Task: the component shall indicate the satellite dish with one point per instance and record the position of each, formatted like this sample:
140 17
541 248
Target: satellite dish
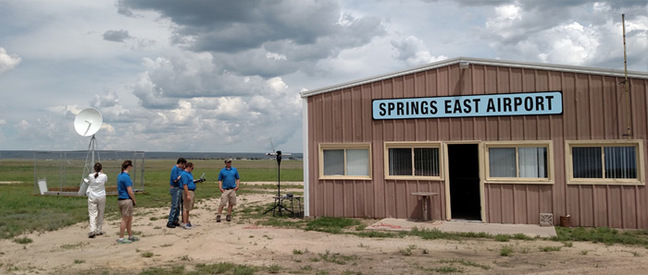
88 122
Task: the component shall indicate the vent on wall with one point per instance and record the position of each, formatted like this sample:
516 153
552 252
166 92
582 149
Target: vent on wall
546 219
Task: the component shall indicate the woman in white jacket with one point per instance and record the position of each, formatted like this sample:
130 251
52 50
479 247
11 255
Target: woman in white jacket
96 200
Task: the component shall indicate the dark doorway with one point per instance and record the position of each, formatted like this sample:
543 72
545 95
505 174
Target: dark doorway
463 164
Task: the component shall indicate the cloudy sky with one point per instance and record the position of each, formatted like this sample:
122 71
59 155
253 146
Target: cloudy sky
225 76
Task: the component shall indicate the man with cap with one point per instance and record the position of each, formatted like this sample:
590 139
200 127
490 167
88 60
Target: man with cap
228 181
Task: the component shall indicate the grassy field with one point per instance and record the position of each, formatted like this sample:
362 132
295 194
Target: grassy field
22 210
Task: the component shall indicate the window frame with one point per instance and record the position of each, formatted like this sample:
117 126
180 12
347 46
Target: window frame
550 179
344 147
412 145
639 152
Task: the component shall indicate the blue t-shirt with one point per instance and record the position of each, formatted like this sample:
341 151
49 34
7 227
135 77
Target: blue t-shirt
175 172
229 177
123 182
188 180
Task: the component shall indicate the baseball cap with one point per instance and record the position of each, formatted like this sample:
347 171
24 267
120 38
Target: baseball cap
228 160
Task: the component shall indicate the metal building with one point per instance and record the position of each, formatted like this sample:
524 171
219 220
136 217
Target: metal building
493 141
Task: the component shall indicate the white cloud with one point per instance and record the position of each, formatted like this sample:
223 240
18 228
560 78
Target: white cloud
413 52
8 61
275 56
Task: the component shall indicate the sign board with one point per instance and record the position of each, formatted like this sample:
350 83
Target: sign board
519 104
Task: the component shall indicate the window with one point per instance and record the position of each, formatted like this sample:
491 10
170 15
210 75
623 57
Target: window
420 160
519 162
345 161
605 162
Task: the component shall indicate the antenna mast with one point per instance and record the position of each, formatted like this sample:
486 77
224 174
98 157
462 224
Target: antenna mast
625 81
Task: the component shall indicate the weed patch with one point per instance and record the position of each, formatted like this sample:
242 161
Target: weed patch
23 240
506 250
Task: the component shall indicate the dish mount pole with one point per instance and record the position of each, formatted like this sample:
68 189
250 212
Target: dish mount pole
89 164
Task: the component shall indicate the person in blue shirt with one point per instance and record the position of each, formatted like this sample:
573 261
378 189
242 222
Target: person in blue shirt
176 192
188 195
228 181
126 201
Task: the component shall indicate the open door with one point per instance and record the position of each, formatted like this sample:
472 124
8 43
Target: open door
463 167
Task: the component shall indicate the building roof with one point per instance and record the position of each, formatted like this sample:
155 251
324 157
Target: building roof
480 61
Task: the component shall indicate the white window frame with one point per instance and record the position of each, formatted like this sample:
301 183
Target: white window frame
344 147
550 179
412 145
637 143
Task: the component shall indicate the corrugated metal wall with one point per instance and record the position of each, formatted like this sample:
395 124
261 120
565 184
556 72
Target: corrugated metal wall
594 109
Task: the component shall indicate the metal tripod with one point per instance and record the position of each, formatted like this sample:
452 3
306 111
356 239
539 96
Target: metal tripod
277 208
89 164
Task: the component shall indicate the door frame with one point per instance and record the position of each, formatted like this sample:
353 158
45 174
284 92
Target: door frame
446 170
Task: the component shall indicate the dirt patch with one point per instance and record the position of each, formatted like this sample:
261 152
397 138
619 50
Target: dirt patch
290 251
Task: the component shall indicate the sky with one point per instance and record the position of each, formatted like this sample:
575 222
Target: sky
226 76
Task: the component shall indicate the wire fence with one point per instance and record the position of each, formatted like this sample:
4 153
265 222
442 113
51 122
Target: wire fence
62 172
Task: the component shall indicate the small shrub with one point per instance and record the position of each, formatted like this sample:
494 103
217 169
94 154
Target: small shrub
406 251
502 237
274 268
506 250
520 236
447 269
550 248
147 254
24 240
299 252
336 258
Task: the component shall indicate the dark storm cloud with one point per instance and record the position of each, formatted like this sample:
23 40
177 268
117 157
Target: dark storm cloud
238 26
116 36
232 26
252 38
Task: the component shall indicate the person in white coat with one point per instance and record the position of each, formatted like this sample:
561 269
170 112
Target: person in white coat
96 200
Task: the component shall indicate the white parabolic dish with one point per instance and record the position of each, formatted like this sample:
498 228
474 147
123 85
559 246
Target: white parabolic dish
88 122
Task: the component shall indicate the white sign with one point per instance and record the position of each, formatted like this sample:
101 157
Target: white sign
520 104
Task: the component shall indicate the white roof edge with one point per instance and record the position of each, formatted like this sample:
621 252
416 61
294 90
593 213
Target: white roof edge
480 61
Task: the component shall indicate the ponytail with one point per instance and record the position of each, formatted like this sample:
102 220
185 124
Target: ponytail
126 164
97 167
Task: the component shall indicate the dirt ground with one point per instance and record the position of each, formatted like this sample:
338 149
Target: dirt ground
291 251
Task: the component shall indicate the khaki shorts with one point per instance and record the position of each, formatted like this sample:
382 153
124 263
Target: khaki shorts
188 204
126 208
228 196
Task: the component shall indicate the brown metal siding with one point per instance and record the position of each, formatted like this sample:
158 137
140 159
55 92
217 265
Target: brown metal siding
594 108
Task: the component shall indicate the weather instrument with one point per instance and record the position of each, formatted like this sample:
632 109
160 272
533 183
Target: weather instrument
278 206
87 123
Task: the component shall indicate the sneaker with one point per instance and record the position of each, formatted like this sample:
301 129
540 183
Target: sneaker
176 223
170 225
133 238
99 233
122 241
217 218
187 226
91 235
228 218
